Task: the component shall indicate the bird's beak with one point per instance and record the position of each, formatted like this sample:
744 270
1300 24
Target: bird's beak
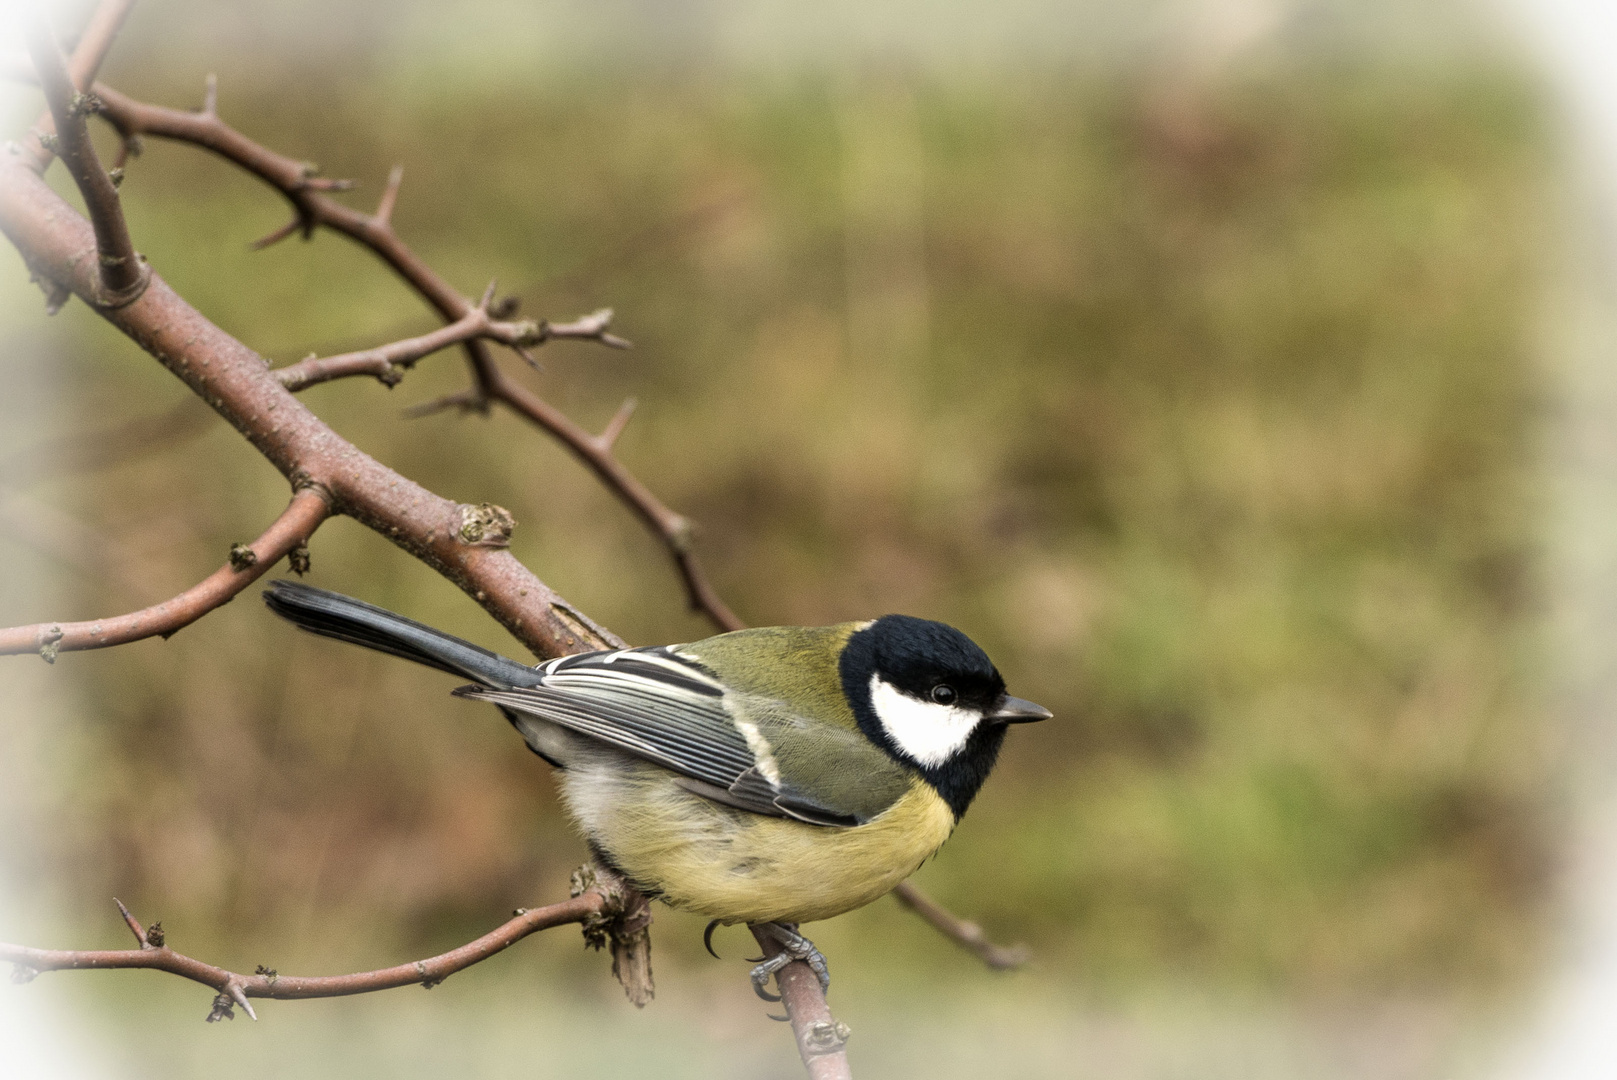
1013 710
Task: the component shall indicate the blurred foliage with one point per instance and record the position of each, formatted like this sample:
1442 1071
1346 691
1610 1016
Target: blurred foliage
1207 408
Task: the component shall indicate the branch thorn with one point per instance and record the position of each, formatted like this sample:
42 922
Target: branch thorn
591 327
488 295
132 922
278 235
390 197
614 427
241 999
210 95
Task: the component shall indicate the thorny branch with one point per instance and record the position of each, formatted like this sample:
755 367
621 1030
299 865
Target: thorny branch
92 48
611 912
963 932
387 363
247 562
122 273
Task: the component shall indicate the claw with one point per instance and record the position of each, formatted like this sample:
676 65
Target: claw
794 946
707 939
758 983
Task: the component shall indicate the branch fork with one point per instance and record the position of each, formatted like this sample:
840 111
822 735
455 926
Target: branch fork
246 563
387 363
624 924
613 913
122 272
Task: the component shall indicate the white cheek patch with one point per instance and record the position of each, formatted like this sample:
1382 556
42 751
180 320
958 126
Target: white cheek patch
926 731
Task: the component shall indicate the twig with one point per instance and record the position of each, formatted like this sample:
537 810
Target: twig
122 272
247 563
963 932
92 48
235 989
592 327
388 362
674 529
821 1040
614 427
275 236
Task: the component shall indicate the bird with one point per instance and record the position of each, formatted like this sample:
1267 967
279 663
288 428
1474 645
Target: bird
770 776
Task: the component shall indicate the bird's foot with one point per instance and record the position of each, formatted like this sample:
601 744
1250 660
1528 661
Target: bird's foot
794 946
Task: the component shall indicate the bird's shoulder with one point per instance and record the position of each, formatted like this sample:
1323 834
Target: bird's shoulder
784 690
799 665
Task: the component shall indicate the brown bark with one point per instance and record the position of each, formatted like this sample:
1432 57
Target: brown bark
247 563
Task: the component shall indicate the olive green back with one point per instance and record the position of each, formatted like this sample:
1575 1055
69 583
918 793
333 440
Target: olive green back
787 684
798 664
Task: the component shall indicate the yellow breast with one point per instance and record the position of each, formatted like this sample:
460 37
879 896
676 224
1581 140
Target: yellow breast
736 866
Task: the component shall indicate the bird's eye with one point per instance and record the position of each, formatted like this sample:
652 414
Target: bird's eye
943 694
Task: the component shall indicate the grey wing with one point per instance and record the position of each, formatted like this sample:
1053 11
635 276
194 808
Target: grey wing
658 706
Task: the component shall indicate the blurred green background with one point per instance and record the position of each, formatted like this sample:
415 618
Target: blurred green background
1196 382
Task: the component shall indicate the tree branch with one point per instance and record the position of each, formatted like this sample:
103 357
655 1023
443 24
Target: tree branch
592 327
595 452
247 563
388 362
602 911
122 273
963 932
821 1040
92 48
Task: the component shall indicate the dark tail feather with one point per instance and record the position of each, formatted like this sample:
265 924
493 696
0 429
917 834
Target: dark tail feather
346 619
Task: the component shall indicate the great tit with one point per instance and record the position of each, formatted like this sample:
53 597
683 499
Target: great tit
771 776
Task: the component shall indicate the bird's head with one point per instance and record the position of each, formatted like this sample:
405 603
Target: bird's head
926 694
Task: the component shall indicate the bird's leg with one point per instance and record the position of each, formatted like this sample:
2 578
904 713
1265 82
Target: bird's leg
794 946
